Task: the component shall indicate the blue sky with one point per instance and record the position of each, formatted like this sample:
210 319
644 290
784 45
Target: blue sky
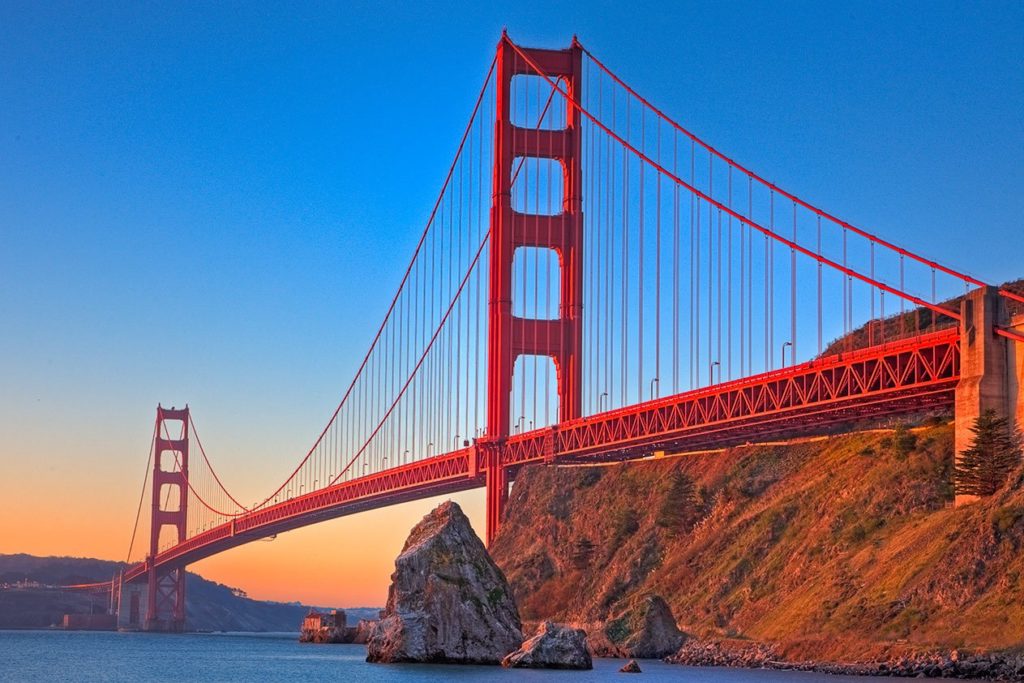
213 203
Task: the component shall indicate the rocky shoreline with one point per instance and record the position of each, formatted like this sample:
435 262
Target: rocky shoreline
954 664
450 602
868 570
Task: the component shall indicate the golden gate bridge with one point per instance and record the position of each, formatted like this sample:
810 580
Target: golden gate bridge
594 283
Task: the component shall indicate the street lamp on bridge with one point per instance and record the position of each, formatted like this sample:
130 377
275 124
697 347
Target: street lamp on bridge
784 345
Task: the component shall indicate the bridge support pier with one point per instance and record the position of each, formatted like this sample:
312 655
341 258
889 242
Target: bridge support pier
991 370
1015 364
132 605
497 495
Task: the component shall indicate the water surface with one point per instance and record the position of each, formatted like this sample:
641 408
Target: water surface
96 656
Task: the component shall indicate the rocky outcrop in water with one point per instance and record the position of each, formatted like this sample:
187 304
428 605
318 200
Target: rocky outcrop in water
362 631
324 627
645 629
553 647
448 601
630 667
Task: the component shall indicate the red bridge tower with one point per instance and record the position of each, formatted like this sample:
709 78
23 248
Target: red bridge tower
511 336
165 609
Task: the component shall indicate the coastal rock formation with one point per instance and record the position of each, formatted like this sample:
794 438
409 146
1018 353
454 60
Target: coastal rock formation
630 667
646 629
324 627
448 601
869 564
553 647
363 629
999 666
748 655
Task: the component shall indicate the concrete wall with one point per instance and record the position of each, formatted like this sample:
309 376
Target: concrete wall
90 622
1015 356
991 368
130 592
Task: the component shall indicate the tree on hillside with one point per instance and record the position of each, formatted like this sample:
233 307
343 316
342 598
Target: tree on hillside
994 452
679 506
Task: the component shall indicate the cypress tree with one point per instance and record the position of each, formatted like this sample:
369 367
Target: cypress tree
678 508
994 452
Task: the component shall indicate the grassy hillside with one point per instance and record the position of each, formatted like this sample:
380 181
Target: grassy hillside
910 322
840 548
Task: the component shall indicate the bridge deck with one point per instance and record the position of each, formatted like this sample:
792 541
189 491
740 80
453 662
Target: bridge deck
821 395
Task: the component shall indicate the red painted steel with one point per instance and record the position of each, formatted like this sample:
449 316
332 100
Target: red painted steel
552 80
509 336
1010 334
902 376
816 397
166 605
439 475
783 193
806 399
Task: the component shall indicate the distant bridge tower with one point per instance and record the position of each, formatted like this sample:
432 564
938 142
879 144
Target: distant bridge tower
511 336
165 605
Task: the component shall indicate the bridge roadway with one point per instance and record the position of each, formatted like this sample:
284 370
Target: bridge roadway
908 375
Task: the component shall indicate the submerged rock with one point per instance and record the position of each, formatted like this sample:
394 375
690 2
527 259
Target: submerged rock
630 667
553 647
448 601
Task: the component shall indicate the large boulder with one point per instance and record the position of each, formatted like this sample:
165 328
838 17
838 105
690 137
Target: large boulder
555 646
448 601
646 629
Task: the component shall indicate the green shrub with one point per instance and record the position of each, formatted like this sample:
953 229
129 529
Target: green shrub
590 476
617 630
1005 518
583 553
903 441
495 595
983 468
678 508
626 522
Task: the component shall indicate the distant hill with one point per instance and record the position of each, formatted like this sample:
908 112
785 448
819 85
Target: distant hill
211 606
